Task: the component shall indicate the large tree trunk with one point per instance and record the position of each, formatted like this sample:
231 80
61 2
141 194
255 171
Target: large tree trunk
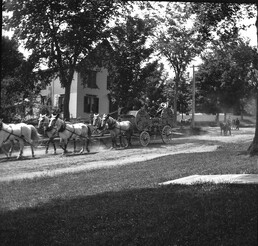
217 118
253 148
66 81
225 117
67 101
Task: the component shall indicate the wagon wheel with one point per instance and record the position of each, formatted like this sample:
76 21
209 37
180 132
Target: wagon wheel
144 138
166 134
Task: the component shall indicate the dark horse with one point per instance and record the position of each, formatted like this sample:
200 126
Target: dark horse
117 128
225 128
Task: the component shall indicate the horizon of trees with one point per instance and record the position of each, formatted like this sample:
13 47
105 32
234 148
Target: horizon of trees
174 30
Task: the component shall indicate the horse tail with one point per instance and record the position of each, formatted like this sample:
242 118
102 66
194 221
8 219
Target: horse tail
34 134
89 131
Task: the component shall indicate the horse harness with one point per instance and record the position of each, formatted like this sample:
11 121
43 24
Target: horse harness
11 133
48 129
112 126
63 128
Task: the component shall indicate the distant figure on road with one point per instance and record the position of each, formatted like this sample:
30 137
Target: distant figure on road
237 124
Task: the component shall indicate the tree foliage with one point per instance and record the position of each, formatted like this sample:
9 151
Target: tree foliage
129 70
208 18
214 19
18 82
177 41
223 78
60 33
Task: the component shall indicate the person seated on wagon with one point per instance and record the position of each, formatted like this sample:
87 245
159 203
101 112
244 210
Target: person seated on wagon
160 109
152 112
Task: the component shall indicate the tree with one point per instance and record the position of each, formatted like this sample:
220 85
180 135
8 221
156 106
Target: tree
178 43
222 78
184 96
128 61
211 17
60 33
156 81
18 82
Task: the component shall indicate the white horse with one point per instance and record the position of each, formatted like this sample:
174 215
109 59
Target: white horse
68 131
21 132
96 123
51 133
117 128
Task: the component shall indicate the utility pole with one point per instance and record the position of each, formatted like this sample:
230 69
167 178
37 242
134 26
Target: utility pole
193 100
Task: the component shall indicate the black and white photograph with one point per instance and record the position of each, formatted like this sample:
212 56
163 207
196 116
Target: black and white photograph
129 123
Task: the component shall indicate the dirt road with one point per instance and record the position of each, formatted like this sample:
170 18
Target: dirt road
102 157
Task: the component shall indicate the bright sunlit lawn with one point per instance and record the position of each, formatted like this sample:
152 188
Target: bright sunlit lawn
125 205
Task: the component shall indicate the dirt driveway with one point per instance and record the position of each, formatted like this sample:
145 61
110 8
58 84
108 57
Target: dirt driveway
102 157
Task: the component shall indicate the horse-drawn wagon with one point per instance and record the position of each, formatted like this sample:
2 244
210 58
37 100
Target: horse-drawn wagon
145 126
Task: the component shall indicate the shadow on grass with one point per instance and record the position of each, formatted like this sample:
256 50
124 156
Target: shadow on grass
71 154
14 158
202 214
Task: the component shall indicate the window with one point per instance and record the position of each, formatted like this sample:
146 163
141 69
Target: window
61 102
43 100
91 79
91 104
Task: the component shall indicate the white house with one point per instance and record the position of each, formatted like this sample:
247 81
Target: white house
84 99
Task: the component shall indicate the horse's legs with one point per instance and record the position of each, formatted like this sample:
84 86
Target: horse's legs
6 153
82 143
87 145
21 142
60 145
51 140
11 148
114 142
63 147
48 142
120 139
129 139
54 145
32 151
74 145
130 133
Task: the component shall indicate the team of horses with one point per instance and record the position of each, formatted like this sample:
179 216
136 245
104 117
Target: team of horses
54 127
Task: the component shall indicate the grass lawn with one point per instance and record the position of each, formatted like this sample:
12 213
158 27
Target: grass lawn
125 206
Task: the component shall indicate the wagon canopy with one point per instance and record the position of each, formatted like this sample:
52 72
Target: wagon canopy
142 120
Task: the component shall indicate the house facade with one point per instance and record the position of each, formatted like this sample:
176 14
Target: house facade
88 94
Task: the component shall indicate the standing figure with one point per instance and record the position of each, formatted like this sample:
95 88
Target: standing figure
237 124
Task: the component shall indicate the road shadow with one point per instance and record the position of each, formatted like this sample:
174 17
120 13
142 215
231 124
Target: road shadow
14 158
79 154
